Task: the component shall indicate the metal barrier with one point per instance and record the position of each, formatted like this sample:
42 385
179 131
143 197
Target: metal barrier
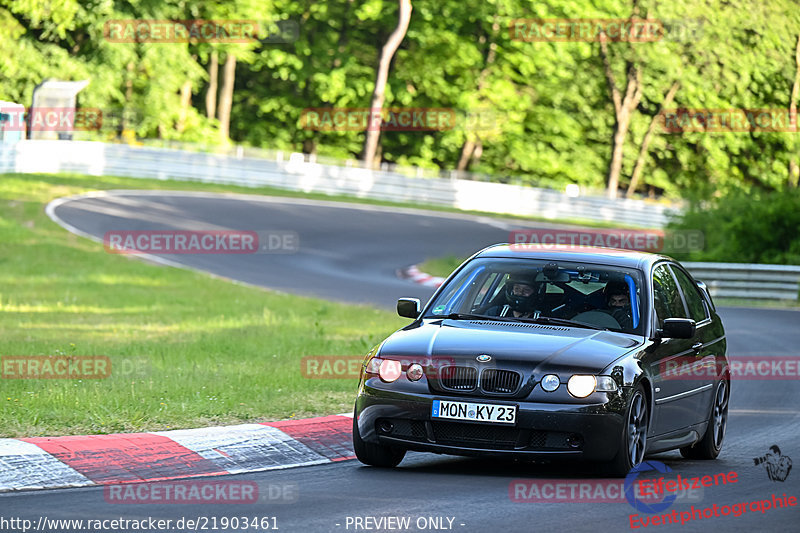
298 174
741 280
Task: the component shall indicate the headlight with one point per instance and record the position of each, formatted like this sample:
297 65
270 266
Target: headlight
606 384
374 365
550 382
390 370
581 386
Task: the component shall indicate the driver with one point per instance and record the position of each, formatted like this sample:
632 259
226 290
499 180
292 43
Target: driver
520 298
618 303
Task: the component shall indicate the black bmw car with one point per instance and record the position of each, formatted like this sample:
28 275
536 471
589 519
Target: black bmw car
547 353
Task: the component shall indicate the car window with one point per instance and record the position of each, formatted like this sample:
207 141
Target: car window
485 293
598 295
666 298
697 308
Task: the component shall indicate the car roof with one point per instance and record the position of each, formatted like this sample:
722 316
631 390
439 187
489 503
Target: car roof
572 253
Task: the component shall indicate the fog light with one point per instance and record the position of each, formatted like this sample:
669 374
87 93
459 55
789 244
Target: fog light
390 370
414 372
581 386
575 441
550 382
384 426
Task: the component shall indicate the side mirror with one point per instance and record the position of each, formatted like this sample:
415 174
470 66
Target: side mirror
408 307
677 328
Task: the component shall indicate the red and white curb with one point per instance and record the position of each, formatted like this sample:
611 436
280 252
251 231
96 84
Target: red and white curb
414 274
55 462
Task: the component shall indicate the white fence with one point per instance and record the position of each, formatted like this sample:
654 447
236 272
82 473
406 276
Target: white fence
734 280
297 174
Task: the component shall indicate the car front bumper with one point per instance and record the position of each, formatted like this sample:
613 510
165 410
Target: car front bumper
542 430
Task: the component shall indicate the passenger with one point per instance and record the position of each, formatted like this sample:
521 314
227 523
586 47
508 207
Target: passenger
619 304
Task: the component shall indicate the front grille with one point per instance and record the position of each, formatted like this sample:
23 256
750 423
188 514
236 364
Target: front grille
538 439
458 378
499 381
486 436
477 435
411 429
550 440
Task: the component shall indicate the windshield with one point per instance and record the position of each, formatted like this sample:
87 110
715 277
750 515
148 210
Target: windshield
597 296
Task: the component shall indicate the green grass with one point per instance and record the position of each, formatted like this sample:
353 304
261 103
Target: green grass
441 266
187 349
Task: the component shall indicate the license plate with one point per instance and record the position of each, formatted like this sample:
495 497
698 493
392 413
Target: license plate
474 412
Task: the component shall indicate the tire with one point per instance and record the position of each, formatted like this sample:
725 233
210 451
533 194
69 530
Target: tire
633 441
375 454
711 444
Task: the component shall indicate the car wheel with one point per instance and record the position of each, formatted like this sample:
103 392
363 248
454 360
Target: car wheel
375 454
633 441
711 443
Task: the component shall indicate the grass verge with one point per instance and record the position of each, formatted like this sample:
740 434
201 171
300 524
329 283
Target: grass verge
187 350
441 266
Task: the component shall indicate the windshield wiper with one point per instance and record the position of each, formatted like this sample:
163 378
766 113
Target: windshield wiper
560 322
540 320
467 316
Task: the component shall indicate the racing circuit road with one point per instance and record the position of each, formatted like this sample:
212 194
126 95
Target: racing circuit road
350 253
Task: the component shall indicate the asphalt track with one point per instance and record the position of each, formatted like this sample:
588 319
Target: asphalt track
350 253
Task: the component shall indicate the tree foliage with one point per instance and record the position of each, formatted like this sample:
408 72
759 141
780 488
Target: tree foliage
545 109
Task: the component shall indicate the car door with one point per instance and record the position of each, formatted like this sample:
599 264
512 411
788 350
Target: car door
678 392
707 341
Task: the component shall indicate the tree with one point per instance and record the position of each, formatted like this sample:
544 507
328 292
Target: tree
382 74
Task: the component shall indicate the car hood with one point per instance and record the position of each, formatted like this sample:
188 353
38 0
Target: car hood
533 347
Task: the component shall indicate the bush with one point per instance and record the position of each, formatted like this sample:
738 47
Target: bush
754 227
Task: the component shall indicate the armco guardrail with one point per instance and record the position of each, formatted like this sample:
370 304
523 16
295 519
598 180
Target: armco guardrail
297 174
740 280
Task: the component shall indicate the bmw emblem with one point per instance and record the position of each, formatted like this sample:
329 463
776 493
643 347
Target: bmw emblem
484 358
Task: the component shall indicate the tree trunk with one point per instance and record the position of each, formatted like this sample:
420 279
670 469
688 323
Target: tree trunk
466 154
468 149
226 96
617 152
794 168
639 166
624 107
123 123
378 94
211 93
186 102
